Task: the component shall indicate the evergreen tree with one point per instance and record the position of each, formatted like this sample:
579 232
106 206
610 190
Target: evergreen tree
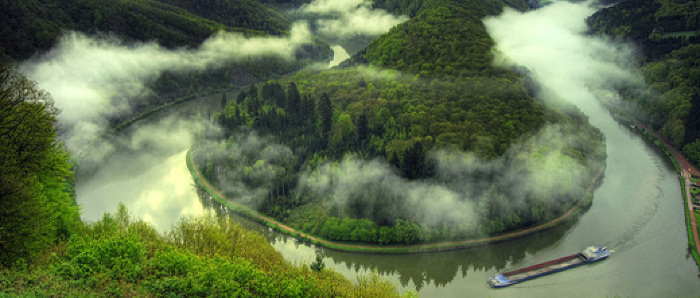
293 99
223 101
413 165
325 111
241 97
362 130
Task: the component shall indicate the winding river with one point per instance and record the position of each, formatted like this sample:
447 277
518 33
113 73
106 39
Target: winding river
637 210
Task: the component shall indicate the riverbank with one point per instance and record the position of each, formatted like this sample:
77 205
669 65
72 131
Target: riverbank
367 248
77 157
685 171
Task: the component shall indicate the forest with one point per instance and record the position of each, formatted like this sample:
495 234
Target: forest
666 33
419 138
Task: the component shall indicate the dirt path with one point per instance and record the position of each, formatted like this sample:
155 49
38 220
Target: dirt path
687 170
392 248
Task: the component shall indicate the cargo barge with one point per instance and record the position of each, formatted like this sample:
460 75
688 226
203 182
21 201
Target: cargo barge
588 255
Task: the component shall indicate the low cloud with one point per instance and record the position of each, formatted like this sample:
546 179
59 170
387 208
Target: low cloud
534 169
94 78
349 18
248 166
552 44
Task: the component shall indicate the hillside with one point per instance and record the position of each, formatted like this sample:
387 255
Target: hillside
667 35
418 138
46 251
30 28
34 26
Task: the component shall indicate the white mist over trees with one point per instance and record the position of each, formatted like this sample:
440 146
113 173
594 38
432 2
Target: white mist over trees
349 18
93 78
552 44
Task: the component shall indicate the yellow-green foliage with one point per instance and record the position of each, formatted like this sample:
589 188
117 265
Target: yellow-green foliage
203 256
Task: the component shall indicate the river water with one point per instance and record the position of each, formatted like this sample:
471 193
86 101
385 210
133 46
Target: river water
637 210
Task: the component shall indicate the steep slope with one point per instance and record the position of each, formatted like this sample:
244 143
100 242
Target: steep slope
35 25
667 34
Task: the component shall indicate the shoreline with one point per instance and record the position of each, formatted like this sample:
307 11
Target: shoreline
684 170
369 248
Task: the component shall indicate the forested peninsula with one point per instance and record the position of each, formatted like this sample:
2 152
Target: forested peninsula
419 138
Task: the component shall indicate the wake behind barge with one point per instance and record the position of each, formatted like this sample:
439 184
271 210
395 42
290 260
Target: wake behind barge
588 255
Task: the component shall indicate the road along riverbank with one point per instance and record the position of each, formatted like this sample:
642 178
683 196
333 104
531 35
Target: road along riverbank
685 171
366 248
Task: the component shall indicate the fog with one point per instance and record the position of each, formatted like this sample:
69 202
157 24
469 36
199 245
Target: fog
144 168
551 43
92 78
250 158
340 19
534 168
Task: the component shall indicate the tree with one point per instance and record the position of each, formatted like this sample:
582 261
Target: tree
223 101
362 130
293 99
241 97
318 265
692 151
414 165
34 171
325 110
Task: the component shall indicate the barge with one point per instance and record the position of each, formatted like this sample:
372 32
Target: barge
589 255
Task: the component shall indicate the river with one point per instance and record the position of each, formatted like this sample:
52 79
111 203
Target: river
637 210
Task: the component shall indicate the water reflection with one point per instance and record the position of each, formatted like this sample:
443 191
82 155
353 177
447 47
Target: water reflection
411 270
143 167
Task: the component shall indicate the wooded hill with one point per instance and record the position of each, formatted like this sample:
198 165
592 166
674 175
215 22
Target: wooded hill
439 96
667 33
32 27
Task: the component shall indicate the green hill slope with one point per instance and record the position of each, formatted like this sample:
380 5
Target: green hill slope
31 26
667 34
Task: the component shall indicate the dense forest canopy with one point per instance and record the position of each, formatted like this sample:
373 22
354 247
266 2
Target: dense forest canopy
666 32
430 141
31 26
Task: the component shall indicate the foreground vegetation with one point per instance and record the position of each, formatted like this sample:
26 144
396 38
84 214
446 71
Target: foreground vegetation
45 250
205 256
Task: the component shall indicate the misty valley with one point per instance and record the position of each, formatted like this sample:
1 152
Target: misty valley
351 148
